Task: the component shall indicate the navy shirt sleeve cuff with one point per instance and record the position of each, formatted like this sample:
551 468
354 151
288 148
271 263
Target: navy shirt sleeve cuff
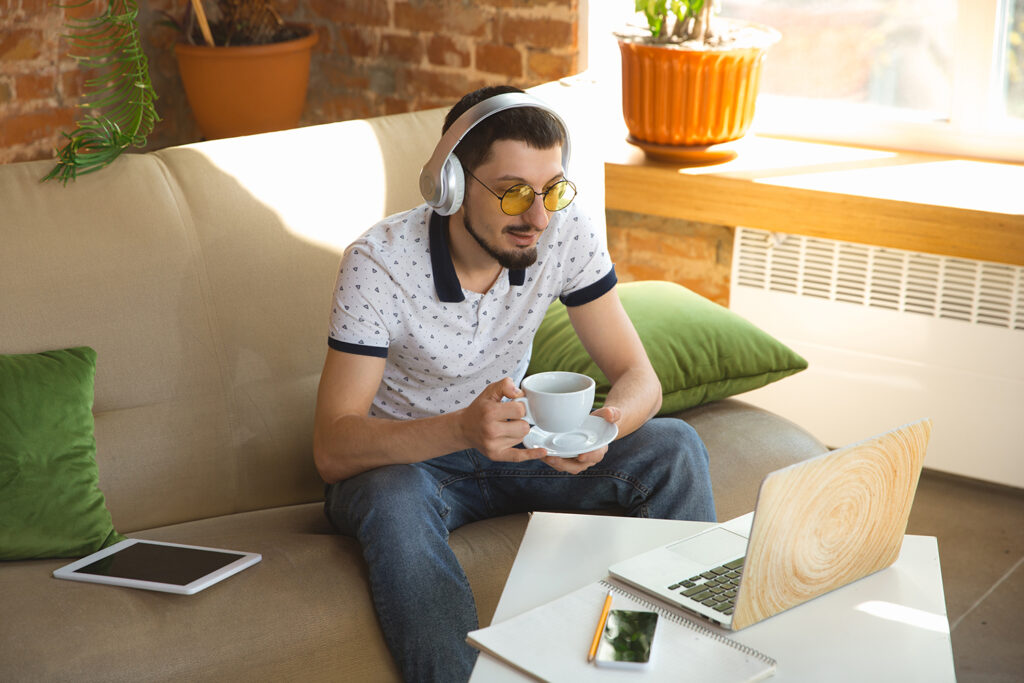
591 291
358 349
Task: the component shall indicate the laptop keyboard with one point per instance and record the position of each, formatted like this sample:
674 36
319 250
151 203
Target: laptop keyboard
715 588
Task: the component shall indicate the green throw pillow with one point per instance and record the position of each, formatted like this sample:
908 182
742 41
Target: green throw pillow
50 501
701 351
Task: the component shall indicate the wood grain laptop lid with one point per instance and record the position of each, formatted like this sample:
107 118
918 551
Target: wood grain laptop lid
849 521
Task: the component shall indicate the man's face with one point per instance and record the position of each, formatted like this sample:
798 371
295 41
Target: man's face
510 240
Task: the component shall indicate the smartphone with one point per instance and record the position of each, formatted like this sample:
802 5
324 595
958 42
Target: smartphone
627 640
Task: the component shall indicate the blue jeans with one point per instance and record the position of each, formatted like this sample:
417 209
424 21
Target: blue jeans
402 515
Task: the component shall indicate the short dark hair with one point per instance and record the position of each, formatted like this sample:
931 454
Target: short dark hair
534 126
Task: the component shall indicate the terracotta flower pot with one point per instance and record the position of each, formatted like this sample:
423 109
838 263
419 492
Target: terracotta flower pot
690 97
249 89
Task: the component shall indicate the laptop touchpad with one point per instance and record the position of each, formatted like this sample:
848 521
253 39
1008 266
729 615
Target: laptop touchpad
712 548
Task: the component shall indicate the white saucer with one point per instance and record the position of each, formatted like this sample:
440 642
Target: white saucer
593 433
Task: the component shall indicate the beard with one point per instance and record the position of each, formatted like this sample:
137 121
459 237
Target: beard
513 259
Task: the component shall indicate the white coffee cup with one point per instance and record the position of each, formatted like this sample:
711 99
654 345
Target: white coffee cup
557 402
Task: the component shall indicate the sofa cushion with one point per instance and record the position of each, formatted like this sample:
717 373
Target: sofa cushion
701 351
744 444
303 613
50 501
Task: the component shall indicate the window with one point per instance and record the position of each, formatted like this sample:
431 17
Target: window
1015 61
894 55
944 76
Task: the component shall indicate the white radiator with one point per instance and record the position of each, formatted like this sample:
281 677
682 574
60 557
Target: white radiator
892 336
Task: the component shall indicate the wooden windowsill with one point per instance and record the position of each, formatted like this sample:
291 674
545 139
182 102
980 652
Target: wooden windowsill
902 200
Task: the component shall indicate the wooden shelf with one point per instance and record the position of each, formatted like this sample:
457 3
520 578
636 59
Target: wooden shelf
920 202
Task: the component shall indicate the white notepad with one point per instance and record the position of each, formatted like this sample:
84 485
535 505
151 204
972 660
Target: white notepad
550 642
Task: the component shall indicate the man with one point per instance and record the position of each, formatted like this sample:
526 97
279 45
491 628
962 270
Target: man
431 331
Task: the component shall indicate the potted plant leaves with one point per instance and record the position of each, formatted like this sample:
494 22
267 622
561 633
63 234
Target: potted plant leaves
119 101
245 70
690 78
248 75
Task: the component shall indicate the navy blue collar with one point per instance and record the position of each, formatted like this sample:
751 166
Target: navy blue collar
446 282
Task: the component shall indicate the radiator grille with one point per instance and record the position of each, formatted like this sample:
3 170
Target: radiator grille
970 291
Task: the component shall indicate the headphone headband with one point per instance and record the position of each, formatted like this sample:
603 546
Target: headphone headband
441 180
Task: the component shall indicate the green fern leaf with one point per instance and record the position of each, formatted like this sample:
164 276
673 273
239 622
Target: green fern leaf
119 103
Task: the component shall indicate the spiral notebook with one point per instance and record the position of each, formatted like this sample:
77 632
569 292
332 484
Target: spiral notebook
550 643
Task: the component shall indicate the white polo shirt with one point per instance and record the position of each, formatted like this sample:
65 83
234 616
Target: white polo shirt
398 297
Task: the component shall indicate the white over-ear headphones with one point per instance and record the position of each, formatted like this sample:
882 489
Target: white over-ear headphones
442 181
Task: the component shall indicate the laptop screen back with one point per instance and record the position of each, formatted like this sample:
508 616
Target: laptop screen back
825 522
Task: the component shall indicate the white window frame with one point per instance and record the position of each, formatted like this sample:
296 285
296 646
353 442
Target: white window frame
977 126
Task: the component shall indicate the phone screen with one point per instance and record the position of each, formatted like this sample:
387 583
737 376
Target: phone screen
627 638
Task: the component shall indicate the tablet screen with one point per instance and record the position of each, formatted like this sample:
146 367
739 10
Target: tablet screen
160 563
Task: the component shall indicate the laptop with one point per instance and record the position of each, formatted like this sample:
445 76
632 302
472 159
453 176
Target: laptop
818 525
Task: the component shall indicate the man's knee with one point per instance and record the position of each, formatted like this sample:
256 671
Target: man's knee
670 434
391 496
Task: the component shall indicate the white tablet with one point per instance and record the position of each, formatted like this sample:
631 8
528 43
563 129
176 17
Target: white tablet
157 566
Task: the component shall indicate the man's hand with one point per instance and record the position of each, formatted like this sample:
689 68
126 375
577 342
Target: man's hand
494 426
591 458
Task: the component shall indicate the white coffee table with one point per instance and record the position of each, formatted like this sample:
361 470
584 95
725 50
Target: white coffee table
890 626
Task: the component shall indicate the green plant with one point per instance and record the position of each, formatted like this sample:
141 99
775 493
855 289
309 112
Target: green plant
233 22
671 21
119 99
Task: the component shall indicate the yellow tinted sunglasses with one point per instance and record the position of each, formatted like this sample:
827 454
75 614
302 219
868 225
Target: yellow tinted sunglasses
518 199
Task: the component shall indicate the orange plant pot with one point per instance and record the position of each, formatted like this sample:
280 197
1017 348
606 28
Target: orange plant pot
247 89
681 97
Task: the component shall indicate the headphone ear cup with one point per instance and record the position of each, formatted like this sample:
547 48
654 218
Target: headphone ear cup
453 186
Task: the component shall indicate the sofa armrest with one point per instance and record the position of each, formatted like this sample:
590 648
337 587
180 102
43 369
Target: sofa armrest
744 444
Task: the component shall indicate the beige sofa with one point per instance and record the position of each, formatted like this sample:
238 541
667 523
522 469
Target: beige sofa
202 276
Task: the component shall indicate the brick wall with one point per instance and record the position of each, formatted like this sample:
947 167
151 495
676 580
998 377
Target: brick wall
695 255
373 57
39 84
